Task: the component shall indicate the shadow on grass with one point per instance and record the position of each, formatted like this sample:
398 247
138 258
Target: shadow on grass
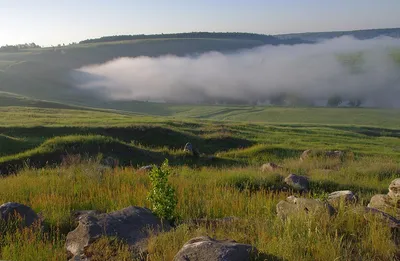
331 186
275 182
146 135
54 151
370 131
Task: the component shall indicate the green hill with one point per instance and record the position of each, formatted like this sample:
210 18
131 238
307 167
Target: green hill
358 34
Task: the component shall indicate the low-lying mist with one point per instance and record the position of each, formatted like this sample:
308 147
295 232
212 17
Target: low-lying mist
365 70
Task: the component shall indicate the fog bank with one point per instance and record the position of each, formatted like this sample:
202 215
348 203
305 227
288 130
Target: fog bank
350 68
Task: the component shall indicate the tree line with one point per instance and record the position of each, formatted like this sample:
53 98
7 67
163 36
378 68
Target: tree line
17 47
207 35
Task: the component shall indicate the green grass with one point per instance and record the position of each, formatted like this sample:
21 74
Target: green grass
209 193
56 152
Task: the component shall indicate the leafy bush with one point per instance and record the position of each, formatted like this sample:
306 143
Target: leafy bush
162 195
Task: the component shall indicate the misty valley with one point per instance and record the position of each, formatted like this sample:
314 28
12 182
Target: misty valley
199 146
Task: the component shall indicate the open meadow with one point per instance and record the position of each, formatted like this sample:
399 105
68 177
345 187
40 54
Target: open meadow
52 159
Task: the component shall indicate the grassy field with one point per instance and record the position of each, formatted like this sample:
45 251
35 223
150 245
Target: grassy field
40 144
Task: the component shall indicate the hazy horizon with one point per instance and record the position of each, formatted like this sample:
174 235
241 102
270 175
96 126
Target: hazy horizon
46 23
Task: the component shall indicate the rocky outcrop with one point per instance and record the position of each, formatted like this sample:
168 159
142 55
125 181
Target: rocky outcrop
269 167
389 203
13 210
343 196
130 225
208 249
293 206
297 182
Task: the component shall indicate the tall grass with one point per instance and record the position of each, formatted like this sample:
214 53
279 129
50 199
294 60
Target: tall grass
204 192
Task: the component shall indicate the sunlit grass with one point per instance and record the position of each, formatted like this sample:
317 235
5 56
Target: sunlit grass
246 193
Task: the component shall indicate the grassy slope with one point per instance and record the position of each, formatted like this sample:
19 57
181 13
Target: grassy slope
331 116
273 139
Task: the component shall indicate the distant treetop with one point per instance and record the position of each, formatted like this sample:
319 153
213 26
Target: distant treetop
206 35
17 47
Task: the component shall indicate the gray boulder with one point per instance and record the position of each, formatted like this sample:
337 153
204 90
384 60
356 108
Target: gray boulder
295 206
208 249
130 224
269 167
11 210
343 196
297 182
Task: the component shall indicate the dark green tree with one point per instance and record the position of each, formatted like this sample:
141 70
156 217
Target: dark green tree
334 101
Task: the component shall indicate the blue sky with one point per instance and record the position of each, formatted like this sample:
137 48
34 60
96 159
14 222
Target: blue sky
49 22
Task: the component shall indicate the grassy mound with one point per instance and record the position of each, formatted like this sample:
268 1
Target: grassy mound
53 151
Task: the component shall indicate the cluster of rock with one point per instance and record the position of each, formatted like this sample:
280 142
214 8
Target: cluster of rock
132 226
383 207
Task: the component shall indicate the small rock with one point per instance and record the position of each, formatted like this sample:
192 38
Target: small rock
294 206
191 150
208 249
306 154
394 189
297 182
10 209
129 224
345 196
270 166
211 158
146 168
334 154
110 162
